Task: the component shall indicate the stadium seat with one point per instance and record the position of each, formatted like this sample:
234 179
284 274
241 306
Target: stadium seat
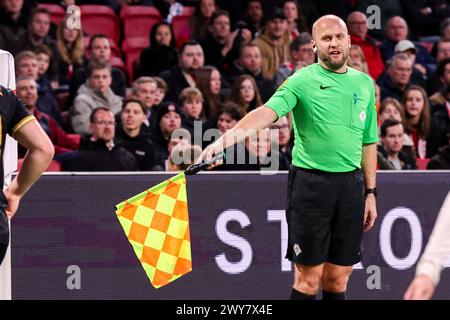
115 50
75 138
138 20
86 41
57 12
65 115
62 99
188 11
52 167
422 163
100 19
132 49
179 25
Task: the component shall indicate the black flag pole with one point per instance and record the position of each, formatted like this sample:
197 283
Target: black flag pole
196 167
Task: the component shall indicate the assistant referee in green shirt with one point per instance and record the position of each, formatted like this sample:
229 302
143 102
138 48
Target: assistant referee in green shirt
331 185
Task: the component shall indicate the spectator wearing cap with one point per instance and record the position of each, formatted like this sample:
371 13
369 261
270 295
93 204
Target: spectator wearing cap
358 28
397 30
397 77
301 54
131 135
169 118
419 72
273 41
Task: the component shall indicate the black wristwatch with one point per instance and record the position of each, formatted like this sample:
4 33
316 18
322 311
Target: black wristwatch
372 190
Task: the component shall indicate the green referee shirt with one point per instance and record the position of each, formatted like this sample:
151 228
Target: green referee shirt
334 114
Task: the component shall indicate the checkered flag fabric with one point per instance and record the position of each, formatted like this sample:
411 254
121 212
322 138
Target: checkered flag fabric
156 223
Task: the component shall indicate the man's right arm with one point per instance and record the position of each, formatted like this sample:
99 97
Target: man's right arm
432 261
40 153
257 119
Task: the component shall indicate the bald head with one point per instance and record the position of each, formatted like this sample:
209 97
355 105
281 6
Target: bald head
325 22
356 15
357 24
397 29
396 20
331 42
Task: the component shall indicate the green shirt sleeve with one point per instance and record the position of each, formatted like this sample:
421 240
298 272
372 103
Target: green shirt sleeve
285 98
370 134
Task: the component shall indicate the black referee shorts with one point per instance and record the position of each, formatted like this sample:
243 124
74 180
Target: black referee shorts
325 216
4 233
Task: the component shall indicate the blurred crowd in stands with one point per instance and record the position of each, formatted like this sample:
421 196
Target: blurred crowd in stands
124 85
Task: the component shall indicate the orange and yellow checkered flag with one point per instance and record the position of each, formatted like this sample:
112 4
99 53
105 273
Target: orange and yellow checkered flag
156 223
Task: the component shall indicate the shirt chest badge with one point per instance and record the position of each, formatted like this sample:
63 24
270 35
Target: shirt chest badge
362 116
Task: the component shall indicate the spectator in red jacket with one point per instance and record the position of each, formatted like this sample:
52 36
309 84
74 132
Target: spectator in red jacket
357 28
63 142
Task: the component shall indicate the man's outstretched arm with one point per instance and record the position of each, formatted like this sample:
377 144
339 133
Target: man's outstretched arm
40 154
369 168
433 259
257 119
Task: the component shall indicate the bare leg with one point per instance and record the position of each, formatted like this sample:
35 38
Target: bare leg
334 281
307 278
